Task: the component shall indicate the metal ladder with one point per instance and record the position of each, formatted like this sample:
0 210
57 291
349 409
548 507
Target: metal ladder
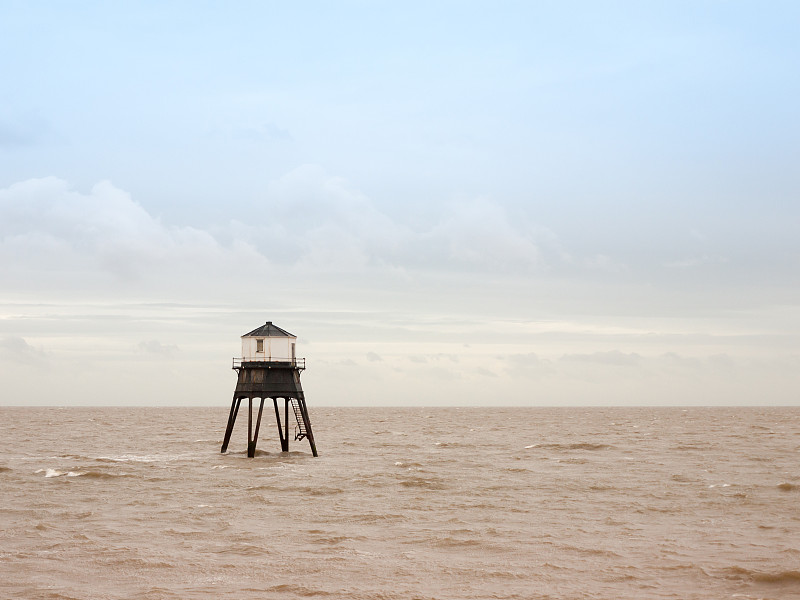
300 430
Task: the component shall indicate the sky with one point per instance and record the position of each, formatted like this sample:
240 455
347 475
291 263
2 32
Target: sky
449 203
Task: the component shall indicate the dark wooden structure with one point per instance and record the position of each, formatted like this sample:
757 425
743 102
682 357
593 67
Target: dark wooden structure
270 379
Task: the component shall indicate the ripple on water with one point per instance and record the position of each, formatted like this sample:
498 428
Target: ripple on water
422 482
790 576
392 516
574 446
86 475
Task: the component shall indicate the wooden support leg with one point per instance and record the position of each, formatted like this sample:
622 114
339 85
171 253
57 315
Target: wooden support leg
251 444
307 421
231 420
249 424
285 447
278 418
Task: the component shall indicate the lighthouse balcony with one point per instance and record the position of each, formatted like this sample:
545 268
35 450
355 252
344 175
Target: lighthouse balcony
269 363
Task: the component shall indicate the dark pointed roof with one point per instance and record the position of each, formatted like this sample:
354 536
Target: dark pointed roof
269 330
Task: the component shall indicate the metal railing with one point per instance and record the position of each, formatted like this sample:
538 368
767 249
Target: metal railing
296 363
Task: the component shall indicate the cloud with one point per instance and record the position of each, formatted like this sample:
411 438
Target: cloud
696 261
484 372
611 358
450 357
54 237
48 228
156 347
319 221
373 357
479 233
316 220
17 349
309 224
528 365
438 373
602 262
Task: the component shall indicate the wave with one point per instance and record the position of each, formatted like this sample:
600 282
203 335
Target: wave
516 470
295 590
779 577
575 446
787 487
103 475
145 458
244 549
138 564
451 542
409 464
87 474
329 540
5 469
55 473
258 453
263 487
588 551
421 482
319 491
379 517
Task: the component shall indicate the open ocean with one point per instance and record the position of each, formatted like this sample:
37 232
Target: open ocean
403 503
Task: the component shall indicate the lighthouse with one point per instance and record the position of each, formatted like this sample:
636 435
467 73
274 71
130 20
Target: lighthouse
269 369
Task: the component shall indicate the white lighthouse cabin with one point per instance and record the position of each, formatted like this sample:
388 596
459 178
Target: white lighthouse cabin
269 343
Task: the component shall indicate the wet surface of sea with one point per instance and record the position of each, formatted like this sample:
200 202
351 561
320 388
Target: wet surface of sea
538 503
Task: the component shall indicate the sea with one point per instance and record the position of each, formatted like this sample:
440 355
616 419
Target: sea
401 504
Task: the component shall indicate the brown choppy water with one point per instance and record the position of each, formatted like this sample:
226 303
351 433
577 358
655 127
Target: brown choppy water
569 503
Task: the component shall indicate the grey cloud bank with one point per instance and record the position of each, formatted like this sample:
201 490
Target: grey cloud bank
470 310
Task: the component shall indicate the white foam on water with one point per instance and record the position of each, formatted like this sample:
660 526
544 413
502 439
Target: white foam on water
56 473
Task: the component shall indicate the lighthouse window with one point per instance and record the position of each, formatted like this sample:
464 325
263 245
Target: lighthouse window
259 345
